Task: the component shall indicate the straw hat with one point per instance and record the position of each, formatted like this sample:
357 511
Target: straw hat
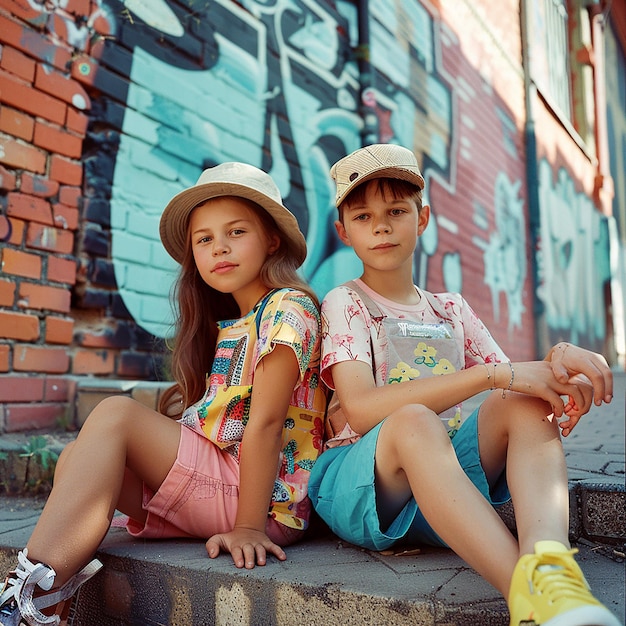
229 179
375 161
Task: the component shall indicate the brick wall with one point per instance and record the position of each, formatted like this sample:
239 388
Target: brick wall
60 318
106 113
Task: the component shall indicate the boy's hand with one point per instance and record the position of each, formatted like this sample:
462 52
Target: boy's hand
568 360
572 411
248 547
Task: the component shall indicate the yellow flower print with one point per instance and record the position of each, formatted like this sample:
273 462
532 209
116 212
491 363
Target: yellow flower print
402 372
454 423
425 354
444 367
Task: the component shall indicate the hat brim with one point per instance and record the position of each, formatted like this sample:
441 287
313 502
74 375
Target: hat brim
175 218
394 171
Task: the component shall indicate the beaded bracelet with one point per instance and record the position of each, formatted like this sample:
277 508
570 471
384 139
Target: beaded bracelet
510 382
492 386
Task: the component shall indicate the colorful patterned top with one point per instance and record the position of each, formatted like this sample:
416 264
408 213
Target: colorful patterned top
439 335
290 318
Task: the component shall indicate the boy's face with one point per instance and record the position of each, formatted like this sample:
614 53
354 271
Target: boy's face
382 230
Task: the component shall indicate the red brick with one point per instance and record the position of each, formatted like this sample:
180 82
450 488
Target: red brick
62 87
16 123
39 416
29 208
21 9
6 228
7 293
4 358
21 389
78 7
70 196
65 171
93 362
44 297
30 41
35 359
59 330
61 270
21 263
76 121
17 231
7 179
19 326
84 69
55 139
21 156
38 186
17 63
65 217
58 389
18 94
48 238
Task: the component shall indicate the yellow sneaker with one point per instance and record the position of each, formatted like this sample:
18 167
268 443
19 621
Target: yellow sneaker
549 589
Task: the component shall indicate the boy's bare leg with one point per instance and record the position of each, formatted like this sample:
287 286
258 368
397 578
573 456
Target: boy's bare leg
520 432
414 455
121 441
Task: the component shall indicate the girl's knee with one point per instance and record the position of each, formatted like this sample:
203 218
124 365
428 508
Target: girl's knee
62 458
111 412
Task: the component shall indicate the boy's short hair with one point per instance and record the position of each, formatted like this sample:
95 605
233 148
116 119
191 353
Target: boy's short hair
387 188
375 161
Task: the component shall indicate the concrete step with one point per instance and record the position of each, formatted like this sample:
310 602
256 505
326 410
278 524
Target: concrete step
324 581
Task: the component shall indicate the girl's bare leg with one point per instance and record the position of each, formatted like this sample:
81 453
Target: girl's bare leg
415 455
121 444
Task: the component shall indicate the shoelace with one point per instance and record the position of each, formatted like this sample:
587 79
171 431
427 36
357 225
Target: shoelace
556 580
15 581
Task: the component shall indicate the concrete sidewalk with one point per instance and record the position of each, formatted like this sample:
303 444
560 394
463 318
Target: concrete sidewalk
326 581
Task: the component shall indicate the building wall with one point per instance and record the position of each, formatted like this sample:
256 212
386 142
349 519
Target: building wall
106 113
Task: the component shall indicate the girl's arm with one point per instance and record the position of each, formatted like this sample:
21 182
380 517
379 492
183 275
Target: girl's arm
274 380
365 404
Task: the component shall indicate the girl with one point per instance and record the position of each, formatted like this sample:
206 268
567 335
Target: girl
234 466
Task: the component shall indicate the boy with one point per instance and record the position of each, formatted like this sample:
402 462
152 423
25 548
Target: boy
400 466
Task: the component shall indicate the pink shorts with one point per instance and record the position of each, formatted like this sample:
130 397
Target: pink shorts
199 496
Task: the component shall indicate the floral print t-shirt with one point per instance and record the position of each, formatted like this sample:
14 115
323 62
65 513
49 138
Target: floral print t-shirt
438 336
290 318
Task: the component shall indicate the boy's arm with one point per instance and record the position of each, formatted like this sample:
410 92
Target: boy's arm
568 360
274 380
365 404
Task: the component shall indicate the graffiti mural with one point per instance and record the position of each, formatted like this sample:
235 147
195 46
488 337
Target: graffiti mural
276 87
172 87
573 260
505 251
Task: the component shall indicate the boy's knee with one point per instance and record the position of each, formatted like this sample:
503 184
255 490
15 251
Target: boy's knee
415 419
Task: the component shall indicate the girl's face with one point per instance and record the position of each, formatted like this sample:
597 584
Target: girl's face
382 230
230 246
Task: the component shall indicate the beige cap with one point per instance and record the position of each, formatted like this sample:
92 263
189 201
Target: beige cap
379 160
229 179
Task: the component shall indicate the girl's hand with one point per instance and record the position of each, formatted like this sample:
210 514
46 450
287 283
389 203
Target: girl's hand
568 360
247 546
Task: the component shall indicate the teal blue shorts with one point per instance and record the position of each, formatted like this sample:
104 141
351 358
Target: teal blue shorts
342 489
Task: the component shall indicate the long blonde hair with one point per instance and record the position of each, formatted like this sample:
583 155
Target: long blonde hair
200 307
